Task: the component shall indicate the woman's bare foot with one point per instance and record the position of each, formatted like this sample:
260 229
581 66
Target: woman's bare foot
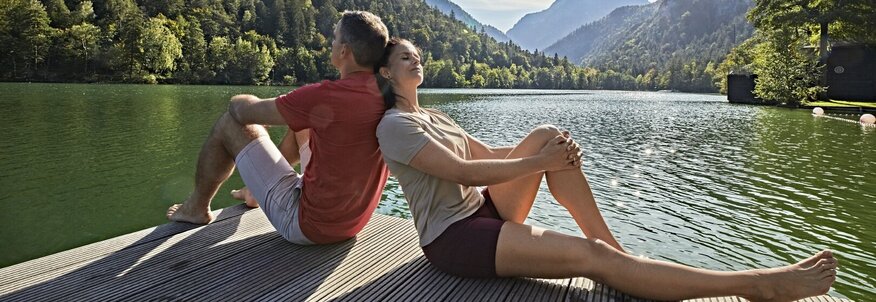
245 195
183 213
810 277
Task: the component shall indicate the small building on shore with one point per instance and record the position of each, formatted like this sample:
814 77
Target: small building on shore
740 89
851 73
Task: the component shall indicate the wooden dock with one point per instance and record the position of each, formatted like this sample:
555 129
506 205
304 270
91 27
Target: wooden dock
239 257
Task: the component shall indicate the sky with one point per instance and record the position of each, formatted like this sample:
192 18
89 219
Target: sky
503 13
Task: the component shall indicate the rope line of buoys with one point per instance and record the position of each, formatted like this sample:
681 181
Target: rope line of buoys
866 120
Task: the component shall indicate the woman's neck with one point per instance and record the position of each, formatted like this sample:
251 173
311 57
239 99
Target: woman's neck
407 99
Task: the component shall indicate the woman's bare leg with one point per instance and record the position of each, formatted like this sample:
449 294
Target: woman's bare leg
514 199
529 251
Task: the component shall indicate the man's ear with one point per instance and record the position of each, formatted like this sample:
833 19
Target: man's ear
345 50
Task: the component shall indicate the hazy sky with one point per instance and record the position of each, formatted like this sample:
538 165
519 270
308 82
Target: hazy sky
503 13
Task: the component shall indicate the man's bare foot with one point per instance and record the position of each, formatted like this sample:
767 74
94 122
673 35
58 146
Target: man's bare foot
809 277
183 213
245 195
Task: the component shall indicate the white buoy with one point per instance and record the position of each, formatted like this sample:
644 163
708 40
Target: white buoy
817 111
868 119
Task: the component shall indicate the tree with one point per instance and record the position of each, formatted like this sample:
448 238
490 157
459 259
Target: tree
193 65
25 36
220 56
170 8
78 46
159 47
740 60
786 72
84 13
251 63
58 13
305 65
772 15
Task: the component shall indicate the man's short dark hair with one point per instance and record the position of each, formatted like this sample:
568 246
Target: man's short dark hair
365 34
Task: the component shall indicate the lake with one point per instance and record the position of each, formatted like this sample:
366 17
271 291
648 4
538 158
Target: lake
686 178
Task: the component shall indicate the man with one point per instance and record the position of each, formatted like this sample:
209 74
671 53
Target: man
346 173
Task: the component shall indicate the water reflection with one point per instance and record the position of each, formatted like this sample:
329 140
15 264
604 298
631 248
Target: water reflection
692 179
681 177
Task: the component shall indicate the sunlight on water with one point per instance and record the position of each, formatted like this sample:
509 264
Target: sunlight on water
679 177
691 179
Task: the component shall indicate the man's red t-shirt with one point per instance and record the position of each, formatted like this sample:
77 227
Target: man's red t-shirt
346 173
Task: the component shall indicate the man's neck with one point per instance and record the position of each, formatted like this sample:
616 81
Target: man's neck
348 70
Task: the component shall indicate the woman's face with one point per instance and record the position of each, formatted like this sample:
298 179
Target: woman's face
404 68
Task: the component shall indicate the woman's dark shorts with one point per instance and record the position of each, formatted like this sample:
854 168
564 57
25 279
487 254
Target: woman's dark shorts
467 248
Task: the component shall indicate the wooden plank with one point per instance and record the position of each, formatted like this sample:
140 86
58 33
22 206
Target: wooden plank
470 289
250 275
141 245
425 284
182 256
525 289
396 274
363 257
579 289
241 257
369 276
99 249
124 266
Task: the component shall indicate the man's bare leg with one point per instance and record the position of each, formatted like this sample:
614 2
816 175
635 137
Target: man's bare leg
246 195
215 164
289 147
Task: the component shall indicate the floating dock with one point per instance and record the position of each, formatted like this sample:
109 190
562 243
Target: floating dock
239 257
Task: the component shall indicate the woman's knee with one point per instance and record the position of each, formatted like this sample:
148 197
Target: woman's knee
601 257
545 132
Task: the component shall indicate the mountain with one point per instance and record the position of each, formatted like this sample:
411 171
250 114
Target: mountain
670 37
541 29
582 42
451 9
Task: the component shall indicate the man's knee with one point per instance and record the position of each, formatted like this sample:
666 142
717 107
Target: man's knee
230 126
236 136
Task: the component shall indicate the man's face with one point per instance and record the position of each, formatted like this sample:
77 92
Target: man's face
337 46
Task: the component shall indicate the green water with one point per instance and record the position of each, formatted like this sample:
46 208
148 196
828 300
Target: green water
680 177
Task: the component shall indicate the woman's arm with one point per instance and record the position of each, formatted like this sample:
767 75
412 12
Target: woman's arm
480 150
289 147
437 160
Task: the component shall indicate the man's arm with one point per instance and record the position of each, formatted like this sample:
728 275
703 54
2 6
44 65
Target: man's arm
249 110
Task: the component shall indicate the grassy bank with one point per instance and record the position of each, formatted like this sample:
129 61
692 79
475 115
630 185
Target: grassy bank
842 104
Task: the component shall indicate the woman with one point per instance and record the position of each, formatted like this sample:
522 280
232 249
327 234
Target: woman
468 233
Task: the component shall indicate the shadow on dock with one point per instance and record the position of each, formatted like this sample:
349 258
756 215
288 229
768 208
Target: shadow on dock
239 257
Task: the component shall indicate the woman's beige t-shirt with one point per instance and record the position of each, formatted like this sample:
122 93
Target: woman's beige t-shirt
435 203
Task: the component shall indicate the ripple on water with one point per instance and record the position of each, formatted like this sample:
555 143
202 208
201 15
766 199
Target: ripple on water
680 177
691 179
